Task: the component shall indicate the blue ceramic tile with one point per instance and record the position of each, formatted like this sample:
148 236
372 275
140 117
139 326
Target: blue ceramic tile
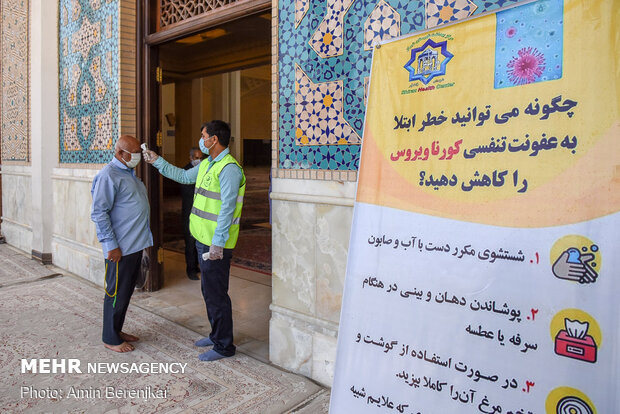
351 68
88 93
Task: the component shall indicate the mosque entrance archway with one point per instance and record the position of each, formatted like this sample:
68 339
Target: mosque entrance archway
222 71
190 47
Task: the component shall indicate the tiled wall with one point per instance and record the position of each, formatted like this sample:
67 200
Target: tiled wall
15 81
324 51
89 80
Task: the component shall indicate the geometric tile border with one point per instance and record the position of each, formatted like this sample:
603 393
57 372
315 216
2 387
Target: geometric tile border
382 24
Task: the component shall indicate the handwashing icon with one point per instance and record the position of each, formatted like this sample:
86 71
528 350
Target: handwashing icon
576 266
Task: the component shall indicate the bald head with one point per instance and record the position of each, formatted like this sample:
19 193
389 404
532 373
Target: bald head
124 147
127 143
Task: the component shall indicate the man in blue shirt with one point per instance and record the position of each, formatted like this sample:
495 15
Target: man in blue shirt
121 214
214 223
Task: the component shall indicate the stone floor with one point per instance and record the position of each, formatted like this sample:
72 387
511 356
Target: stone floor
47 313
181 301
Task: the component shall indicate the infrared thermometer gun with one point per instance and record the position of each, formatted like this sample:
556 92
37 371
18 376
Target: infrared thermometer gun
144 153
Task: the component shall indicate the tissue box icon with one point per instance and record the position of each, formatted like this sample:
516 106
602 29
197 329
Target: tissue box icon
574 342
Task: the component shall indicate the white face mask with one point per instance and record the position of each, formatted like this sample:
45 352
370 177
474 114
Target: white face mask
135 159
196 162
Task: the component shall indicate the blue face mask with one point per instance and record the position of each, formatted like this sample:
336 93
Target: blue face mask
202 146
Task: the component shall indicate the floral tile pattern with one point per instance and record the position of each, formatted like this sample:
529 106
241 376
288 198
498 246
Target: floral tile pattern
15 82
89 80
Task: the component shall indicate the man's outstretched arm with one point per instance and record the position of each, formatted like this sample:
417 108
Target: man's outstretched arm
170 171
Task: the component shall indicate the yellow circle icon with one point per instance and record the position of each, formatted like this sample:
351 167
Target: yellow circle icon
576 258
577 318
566 400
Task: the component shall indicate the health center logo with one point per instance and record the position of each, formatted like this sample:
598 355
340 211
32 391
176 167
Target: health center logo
428 61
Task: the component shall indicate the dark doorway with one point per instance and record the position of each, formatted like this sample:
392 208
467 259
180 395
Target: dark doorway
221 72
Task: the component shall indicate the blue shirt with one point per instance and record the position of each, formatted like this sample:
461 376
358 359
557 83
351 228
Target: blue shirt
120 209
230 181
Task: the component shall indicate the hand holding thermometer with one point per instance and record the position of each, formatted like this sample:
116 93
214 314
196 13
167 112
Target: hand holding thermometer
145 154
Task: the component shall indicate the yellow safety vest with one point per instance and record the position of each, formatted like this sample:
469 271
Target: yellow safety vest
208 202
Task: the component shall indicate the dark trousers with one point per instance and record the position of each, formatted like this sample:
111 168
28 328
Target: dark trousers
191 254
214 284
114 314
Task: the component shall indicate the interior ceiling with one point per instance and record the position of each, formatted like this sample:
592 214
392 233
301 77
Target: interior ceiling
239 44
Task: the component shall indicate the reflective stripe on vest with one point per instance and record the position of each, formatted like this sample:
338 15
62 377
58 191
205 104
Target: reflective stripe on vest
207 203
211 216
213 194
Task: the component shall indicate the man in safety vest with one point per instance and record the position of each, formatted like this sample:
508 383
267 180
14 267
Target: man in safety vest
214 223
